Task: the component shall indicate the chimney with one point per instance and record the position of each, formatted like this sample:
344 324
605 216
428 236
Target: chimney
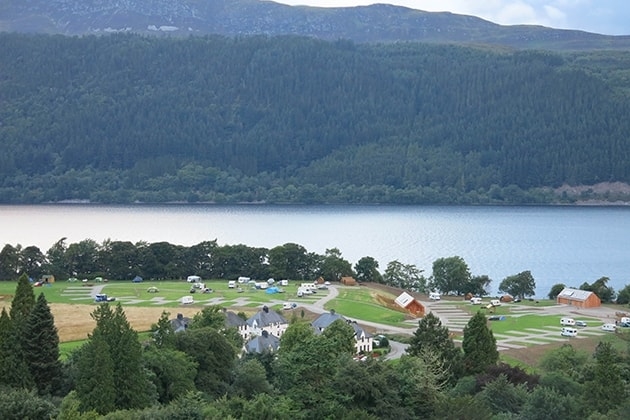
180 316
332 311
265 309
265 333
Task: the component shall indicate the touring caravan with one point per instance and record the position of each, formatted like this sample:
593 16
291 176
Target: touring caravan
569 332
434 296
475 301
231 284
570 322
186 300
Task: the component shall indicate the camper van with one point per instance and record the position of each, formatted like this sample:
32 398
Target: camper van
186 300
475 301
570 322
434 296
193 279
569 332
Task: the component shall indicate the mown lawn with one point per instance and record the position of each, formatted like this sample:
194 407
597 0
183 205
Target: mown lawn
363 304
136 294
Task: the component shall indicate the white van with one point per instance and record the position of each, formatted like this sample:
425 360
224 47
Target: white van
569 332
609 327
475 301
193 279
567 322
434 296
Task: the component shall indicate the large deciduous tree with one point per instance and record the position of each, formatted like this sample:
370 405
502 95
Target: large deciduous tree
33 262
600 288
9 262
404 276
334 267
214 356
367 270
520 285
58 264
289 261
450 275
555 290
479 345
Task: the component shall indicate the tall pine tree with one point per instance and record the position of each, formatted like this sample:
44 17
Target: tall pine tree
113 335
23 301
479 345
41 347
95 386
13 358
432 336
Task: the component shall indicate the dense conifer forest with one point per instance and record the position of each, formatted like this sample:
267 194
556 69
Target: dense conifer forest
127 118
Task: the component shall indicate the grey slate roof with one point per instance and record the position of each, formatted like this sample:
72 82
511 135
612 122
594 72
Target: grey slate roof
266 317
233 320
325 319
262 343
180 323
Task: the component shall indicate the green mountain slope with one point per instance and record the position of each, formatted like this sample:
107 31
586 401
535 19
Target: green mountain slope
129 118
374 23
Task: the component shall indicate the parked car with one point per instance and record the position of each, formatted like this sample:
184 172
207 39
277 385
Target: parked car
580 323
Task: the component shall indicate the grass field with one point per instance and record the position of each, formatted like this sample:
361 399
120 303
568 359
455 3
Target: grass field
72 305
367 304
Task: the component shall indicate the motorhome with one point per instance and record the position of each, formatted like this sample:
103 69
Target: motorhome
569 332
567 322
434 296
187 300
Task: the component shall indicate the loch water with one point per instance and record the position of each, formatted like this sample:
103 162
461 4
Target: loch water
567 245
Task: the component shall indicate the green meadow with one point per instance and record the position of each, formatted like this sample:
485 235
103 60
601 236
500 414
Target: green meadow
168 294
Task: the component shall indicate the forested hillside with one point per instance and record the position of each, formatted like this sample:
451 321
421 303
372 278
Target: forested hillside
127 118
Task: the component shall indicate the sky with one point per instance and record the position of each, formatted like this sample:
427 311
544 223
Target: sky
610 17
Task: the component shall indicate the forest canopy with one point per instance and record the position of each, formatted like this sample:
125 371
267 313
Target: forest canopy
127 118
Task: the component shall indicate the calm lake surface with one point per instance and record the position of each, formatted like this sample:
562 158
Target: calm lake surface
557 244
